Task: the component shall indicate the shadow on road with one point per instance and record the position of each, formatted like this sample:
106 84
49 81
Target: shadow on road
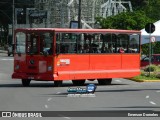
51 85
138 107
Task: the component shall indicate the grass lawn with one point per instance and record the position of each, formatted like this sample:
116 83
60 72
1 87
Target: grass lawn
142 77
154 74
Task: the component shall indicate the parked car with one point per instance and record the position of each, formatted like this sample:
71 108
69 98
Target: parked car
155 59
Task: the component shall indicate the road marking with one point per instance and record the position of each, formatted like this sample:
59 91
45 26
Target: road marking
60 115
58 93
6 59
153 103
158 91
147 96
46 106
118 80
49 99
67 118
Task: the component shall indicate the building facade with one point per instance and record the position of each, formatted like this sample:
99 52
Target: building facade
61 12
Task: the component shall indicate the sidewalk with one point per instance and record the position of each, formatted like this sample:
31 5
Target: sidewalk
2 50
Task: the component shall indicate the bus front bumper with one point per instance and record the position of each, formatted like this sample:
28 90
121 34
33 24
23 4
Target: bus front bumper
41 77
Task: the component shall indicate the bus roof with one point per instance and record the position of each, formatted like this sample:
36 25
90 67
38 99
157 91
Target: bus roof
66 30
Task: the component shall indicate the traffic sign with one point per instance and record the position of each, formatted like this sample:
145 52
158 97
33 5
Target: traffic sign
153 39
150 28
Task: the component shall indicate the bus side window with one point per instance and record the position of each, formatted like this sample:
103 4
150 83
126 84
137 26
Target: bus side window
86 48
64 48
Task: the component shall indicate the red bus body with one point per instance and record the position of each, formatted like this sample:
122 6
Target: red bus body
74 66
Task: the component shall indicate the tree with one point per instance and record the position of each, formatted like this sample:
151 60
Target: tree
126 20
150 7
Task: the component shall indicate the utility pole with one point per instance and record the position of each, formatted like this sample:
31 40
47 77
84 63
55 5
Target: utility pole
13 21
79 15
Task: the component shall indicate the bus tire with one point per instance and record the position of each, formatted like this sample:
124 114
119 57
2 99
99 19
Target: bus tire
58 83
104 81
78 82
26 82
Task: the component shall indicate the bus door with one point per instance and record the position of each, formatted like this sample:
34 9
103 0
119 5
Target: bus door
39 57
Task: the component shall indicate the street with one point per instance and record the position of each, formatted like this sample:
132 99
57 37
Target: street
121 95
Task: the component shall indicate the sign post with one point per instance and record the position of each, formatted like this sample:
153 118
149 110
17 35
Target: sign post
150 28
153 40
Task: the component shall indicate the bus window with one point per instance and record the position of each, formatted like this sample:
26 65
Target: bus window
109 43
134 43
89 43
32 43
122 43
66 42
20 42
46 43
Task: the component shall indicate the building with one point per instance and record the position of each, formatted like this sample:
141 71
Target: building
61 12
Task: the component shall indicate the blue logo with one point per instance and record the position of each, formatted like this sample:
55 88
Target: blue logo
89 89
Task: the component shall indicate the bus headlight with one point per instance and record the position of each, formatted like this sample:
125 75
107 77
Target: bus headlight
49 68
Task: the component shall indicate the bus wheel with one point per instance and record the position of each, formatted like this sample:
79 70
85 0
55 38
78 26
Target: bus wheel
78 82
26 82
58 83
104 81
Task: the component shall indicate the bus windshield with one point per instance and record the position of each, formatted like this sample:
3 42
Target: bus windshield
34 43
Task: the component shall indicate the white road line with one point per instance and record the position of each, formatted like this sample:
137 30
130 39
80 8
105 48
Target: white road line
153 103
60 115
118 80
158 91
6 59
46 106
49 99
147 96
58 92
67 118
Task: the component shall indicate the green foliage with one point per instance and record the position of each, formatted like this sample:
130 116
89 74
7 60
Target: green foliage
139 4
152 68
158 75
144 11
154 75
146 77
155 48
145 49
126 20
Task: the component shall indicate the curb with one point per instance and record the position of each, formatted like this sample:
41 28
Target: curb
3 51
136 80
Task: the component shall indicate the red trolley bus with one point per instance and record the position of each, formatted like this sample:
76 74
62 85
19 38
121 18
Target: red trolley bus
54 54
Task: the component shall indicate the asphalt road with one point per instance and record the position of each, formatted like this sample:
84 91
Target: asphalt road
120 98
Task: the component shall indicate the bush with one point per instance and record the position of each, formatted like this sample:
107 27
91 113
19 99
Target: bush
158 75
152 68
